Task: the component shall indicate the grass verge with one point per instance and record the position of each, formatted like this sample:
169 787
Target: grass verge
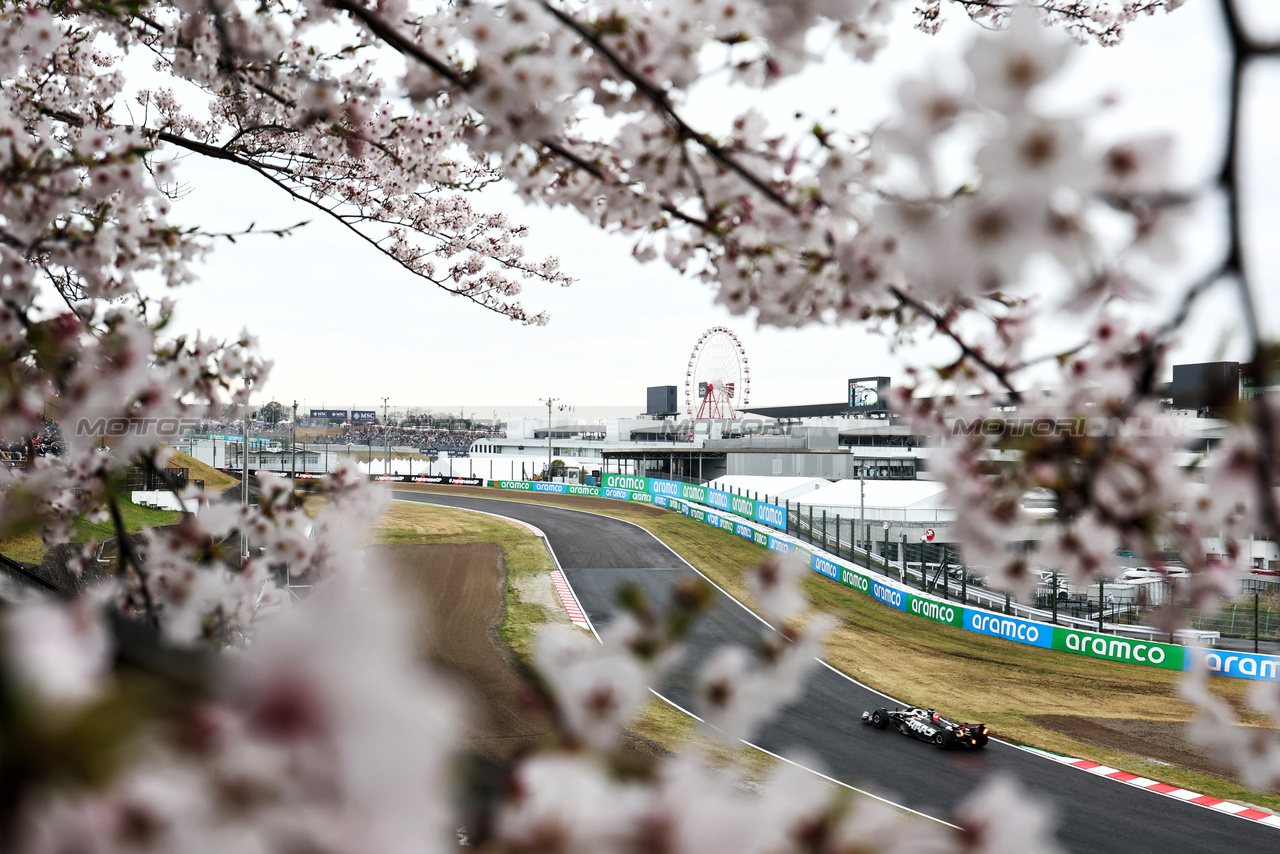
29 548
214 480
525 556
967 675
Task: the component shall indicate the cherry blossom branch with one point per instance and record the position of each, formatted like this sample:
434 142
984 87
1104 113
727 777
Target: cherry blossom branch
129 559
660 100
943 325
558 149
1244 52
393 39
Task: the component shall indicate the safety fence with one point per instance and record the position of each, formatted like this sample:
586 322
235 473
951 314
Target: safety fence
760 522
737 518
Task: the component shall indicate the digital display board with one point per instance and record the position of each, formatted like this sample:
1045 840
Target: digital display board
869 394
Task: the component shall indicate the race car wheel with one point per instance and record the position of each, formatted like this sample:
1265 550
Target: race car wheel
940 740
981 740
879 719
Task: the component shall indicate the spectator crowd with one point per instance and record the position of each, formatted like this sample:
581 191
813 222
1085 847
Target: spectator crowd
47 442
456 442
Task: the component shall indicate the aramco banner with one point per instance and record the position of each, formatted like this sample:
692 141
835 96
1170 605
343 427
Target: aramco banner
737 505
730 510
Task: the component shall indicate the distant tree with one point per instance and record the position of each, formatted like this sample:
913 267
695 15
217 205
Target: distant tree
273 413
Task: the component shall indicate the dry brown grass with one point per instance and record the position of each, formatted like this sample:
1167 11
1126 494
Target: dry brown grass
214 480
968 675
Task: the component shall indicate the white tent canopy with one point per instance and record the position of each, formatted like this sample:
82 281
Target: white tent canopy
778 489
888 500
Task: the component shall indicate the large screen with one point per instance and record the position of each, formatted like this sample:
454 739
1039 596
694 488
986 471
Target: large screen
869 394
661 400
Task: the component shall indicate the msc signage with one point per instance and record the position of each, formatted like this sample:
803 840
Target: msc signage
363 416
1119 649
1009 628
330 414
1242 665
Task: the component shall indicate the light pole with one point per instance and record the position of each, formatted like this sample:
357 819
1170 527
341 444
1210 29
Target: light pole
548 401
293 444
244 477
862 505
386 439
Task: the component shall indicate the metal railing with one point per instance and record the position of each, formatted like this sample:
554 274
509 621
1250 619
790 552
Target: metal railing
956 584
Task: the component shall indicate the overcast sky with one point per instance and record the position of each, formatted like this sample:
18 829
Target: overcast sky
346 326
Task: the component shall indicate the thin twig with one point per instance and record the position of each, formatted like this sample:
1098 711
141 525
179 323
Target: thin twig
129 558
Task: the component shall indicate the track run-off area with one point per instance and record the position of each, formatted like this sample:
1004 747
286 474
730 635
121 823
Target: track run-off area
598 554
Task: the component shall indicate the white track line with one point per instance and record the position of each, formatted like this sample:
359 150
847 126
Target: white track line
564 590
1226 807
730 596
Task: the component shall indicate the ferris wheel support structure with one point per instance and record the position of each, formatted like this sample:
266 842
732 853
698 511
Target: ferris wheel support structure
717 381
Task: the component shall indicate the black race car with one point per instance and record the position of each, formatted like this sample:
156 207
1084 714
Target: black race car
928 725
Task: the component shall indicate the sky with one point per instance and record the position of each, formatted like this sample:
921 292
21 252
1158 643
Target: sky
346 327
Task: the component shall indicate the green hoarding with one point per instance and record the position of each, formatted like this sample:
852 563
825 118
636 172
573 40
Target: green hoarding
932 609
1112 648
696 494
626 481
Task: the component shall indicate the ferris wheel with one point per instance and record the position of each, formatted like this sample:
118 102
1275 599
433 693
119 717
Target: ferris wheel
718 381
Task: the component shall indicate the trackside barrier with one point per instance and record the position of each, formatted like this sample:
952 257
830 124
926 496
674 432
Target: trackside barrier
991 623
726 502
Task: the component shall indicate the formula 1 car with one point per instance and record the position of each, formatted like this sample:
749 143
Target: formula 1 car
928 725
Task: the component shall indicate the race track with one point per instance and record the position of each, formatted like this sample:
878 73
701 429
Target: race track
598 554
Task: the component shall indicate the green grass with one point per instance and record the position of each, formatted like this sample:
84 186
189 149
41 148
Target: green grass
29 548
968 675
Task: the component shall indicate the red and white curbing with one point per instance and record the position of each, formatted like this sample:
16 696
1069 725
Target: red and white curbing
569 601
1238 810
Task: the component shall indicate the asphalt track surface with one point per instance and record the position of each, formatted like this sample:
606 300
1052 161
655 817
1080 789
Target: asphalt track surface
1095 815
